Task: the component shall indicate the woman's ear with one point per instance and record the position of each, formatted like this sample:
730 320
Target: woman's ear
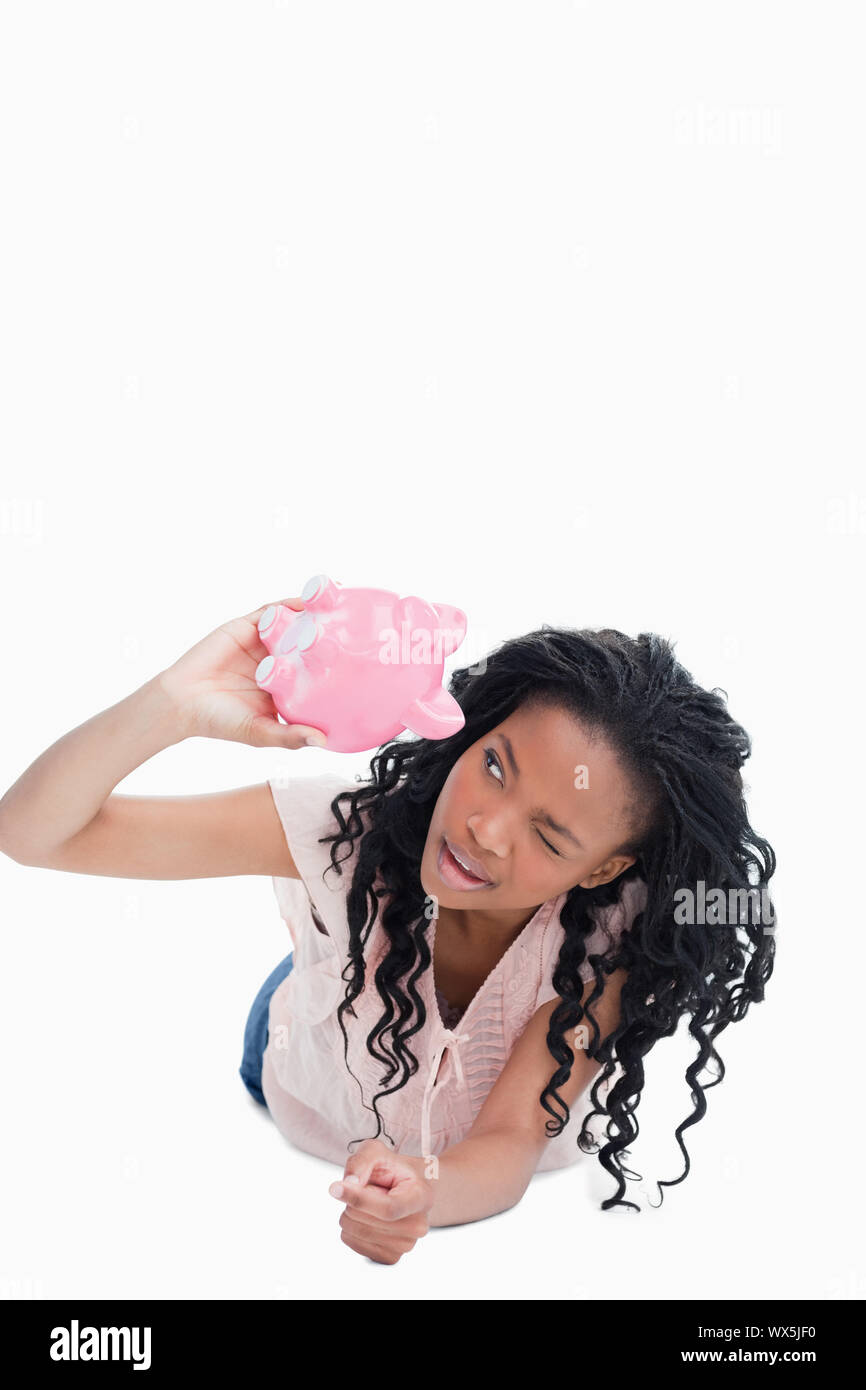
611 868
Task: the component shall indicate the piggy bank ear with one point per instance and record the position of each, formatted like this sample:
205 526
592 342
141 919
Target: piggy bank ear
435 716
452 622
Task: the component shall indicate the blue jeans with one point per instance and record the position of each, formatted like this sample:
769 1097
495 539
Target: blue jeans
256 1031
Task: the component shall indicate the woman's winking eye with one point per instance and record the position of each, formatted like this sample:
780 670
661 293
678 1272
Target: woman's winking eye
489 752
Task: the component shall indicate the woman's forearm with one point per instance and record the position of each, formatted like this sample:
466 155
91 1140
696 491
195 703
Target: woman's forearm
480 1176
69 783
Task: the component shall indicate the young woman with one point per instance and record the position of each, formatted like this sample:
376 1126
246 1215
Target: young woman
521 911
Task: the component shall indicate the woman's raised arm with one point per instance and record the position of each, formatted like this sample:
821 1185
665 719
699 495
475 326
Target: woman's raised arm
60 813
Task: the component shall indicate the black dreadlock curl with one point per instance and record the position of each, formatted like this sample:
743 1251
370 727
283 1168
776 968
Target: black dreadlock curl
682 753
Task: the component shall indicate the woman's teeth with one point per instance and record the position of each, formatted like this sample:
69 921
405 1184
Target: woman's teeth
464 868
456 871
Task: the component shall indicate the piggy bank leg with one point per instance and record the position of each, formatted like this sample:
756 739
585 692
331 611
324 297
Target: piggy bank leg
277 675
274 622
320 593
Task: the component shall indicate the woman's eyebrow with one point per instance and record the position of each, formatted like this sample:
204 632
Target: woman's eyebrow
539 813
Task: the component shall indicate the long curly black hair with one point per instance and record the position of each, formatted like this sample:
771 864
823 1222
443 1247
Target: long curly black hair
682 753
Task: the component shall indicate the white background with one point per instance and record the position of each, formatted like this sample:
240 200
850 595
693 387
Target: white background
554 311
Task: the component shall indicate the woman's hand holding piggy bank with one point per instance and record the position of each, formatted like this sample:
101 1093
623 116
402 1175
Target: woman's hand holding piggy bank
214 691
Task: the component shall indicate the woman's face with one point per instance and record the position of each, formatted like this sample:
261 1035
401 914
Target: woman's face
496 809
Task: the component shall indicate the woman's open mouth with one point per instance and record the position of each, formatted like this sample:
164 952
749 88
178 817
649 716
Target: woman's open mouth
453 873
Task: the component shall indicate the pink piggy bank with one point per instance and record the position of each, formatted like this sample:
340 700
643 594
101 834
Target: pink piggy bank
362 665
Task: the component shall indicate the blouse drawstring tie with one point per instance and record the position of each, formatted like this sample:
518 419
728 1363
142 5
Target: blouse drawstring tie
448 1040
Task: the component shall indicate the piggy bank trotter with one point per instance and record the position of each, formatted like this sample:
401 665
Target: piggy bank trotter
361 664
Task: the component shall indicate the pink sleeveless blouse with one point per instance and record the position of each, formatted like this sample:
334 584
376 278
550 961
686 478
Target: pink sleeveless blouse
313 1099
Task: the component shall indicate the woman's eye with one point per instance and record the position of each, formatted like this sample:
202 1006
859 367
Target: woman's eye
549 845
488 753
